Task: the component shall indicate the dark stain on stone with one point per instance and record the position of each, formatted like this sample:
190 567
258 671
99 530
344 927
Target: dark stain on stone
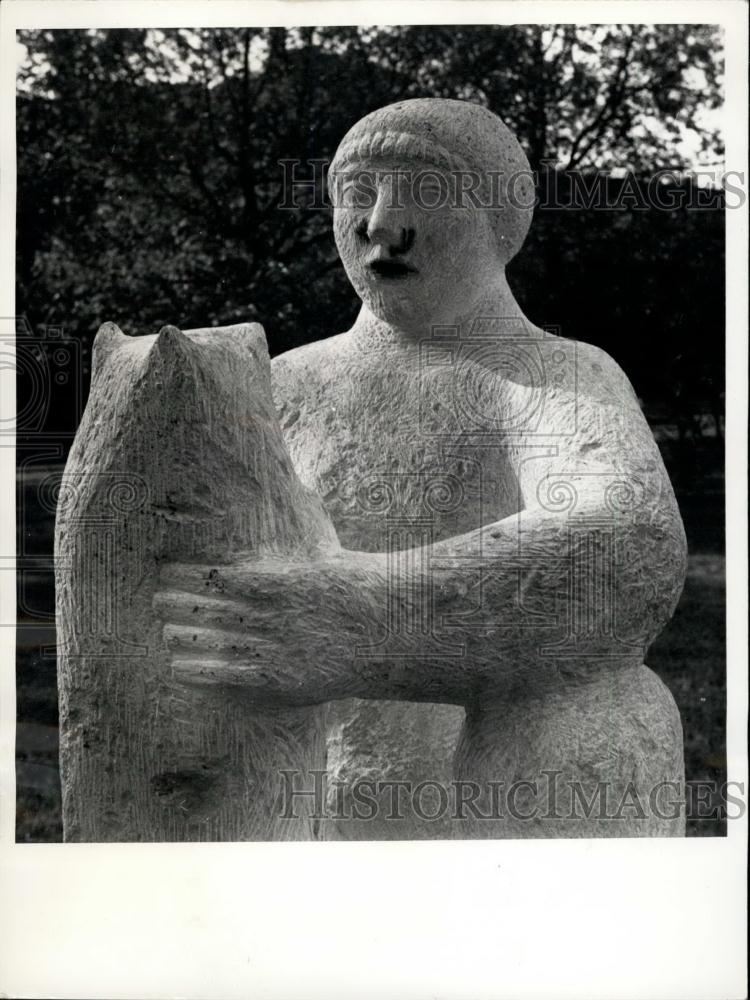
190 789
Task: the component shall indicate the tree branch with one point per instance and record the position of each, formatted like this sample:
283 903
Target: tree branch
606 112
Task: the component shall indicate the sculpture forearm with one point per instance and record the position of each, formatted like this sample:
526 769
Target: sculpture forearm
501 605
521 595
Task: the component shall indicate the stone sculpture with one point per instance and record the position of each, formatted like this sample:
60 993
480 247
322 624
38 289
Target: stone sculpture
179 455
496 545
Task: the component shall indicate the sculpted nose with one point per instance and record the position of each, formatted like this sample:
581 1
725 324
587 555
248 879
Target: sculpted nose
383 226
387 227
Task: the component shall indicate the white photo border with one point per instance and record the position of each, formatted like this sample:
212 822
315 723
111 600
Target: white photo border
517 919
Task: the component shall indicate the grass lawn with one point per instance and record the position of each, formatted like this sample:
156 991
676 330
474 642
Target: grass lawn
690 657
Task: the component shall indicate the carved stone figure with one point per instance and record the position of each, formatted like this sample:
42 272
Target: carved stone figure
179 455
507 545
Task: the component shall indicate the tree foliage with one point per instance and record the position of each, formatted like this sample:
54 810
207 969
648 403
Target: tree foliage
151 177
578 96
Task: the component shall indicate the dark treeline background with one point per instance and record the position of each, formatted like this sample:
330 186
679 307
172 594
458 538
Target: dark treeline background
150 177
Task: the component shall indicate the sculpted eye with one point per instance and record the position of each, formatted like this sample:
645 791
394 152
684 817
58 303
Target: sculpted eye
430 190
359 190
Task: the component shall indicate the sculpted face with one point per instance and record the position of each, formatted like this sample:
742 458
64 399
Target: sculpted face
414 249
432 198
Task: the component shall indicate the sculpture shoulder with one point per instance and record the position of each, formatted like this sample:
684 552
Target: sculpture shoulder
304 379
298 370
601 379
589 403
609 419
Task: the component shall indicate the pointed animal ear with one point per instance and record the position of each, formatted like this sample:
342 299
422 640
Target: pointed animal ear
108 338
171 342
175 349
238 337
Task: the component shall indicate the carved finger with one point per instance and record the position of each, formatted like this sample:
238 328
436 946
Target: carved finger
197 579
268 575
194 640
210 671
203 610
259 680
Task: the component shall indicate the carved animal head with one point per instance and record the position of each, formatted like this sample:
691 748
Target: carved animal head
189 418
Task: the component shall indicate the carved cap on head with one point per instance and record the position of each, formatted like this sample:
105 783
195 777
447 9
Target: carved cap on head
455 136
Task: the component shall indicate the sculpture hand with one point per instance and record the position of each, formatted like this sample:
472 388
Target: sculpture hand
280 632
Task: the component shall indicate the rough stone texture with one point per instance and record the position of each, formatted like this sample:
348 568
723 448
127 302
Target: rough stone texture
616 736
511 543
178 457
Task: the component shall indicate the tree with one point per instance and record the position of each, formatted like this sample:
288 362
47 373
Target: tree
152 168
602 96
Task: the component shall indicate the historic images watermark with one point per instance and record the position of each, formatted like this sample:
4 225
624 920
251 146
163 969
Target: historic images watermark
50 370
548 797
309 185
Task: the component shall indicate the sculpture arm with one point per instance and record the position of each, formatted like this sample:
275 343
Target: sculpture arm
591 568
587 573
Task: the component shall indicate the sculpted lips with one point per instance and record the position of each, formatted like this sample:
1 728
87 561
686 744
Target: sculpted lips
391 269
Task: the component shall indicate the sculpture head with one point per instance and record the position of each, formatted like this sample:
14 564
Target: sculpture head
432 198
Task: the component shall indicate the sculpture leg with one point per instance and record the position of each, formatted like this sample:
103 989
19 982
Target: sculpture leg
596 758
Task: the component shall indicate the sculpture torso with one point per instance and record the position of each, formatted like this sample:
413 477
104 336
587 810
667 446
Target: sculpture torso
360 422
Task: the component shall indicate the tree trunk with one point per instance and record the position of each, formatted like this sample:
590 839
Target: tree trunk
178 457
